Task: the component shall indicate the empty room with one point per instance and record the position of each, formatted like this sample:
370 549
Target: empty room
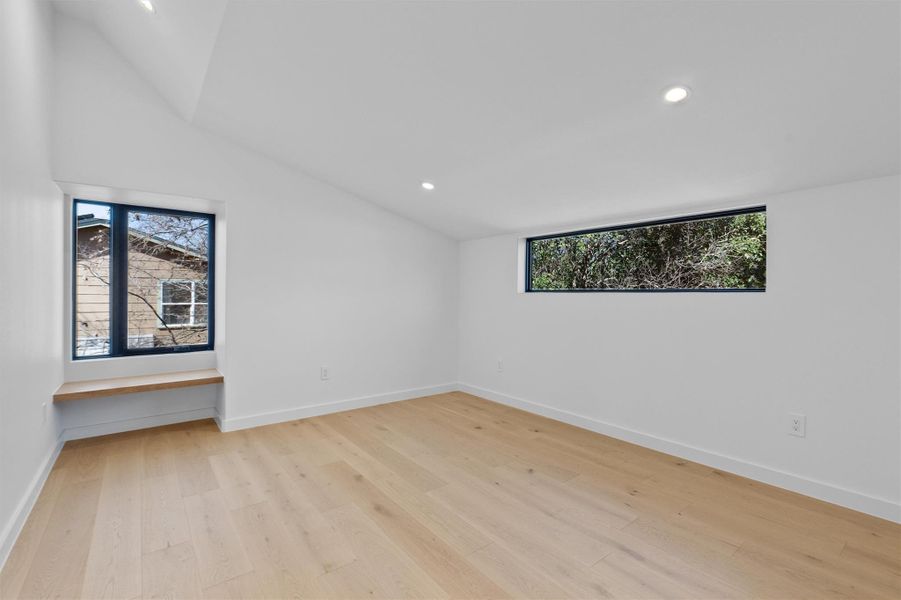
450 299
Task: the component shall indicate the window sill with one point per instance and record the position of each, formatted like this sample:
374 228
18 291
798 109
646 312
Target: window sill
98 388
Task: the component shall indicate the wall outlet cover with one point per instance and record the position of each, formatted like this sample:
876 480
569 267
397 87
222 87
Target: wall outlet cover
797 425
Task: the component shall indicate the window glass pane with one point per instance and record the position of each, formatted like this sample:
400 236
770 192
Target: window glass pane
166 253
92 278
176 291
200 291
200 313
722 252
177 314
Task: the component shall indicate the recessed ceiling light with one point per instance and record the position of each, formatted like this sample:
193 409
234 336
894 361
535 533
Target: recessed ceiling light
676 94
148 5
428 185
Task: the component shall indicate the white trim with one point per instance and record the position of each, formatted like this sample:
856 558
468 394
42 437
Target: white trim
86 431
16 522
161 305
219 420
871 505
315 410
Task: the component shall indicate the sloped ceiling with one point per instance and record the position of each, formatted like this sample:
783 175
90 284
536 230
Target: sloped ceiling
532 114
170 48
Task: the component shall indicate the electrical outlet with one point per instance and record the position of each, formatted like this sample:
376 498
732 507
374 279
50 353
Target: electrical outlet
500 365
323 373
797 425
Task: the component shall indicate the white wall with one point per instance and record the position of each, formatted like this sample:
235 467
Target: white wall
714 376
318 277
315 276
31 326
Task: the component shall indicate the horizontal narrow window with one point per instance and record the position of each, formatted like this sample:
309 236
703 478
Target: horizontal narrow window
142 280
724 251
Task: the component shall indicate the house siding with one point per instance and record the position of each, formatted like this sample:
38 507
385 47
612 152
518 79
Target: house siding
92 296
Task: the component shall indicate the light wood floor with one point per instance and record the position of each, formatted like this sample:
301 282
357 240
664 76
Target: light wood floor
439 497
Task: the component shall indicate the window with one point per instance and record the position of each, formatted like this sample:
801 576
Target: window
183 303
142 280
724 251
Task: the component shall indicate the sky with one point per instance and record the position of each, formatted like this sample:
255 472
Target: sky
98 210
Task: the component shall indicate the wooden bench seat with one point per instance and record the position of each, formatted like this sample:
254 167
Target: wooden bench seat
95 388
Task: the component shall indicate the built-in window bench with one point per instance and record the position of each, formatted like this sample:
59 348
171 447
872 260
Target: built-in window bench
96 388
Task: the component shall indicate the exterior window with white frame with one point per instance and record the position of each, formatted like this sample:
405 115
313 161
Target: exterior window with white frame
183 303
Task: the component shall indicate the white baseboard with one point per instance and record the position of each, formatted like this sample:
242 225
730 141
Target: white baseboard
13 527
870 505
86 431
219 420
316 410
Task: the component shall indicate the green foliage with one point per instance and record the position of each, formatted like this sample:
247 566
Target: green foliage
718 253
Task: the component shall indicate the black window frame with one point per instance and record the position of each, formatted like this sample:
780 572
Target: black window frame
118 296
637 225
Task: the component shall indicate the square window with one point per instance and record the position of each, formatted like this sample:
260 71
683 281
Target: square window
141 280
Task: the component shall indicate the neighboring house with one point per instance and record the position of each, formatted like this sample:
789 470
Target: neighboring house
167 290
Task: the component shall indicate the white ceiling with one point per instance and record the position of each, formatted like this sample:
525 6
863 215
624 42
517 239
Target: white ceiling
170 48
532 114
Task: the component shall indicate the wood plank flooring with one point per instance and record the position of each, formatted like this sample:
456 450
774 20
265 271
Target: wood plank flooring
448 496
